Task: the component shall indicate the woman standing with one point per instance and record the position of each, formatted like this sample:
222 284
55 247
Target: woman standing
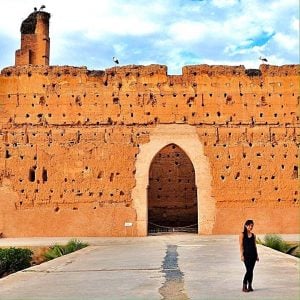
248 254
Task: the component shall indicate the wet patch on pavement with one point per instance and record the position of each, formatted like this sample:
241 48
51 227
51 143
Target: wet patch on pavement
173 287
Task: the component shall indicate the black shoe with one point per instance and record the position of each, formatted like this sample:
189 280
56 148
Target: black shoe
245 288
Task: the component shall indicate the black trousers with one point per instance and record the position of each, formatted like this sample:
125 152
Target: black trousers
249 264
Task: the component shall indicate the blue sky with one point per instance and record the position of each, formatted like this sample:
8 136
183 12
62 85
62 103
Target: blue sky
169 32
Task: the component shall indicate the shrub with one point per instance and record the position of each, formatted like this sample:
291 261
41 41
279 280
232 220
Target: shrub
259 241
14 259
276 242
293 250
74 245
296 252
54 252
59 250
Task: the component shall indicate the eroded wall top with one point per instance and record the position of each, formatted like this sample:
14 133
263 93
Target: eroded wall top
64 95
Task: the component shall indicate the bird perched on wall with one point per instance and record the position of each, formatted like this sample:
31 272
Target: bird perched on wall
42 7
116 61
263 59
35 9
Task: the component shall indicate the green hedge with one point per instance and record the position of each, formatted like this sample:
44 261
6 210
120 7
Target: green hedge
14 259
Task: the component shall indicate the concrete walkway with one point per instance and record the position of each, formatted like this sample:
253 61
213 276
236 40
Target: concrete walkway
170 267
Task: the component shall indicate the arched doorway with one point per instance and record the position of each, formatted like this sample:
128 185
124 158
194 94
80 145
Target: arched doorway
186 137
172 192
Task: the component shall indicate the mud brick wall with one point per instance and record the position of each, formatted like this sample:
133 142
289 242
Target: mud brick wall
70 138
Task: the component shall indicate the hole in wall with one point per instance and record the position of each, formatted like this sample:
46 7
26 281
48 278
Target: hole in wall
295 172
44 175
31 175
237 176
7 154
111 178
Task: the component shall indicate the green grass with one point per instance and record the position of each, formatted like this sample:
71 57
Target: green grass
60 250
276 242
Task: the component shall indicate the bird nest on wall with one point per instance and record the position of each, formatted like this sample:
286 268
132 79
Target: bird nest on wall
253 72
29 24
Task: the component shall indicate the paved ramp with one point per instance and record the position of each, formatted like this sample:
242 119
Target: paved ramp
169 267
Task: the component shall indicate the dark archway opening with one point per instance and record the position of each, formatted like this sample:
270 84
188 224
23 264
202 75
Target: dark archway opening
172 193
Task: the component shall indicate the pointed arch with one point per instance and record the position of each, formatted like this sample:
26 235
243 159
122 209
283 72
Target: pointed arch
185 136
172 193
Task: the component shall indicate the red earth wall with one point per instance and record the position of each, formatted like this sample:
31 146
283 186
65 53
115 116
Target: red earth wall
69 139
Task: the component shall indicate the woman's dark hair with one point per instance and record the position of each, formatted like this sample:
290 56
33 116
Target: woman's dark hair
248 222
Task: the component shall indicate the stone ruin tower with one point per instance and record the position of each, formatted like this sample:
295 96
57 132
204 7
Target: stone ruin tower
35 41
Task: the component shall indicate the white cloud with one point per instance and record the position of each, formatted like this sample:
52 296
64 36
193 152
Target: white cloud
287 42
101 18
170 32
187 31
224 3
119 48
295 24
